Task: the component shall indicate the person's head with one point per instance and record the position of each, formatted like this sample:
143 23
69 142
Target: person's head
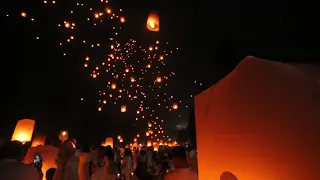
49 174
127 152
143 153
95 150
12 150
109 153
178 155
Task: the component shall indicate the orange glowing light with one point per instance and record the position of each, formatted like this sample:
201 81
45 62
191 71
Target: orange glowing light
123 108
153 22
23 130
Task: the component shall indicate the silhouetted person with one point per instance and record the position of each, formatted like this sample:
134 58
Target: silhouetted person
182 170
50 173
11 166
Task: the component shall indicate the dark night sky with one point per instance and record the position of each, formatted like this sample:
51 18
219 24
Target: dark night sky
213 36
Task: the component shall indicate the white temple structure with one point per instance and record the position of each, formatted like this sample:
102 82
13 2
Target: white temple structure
262 121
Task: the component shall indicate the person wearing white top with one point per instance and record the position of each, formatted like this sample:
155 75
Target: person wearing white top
182 170
67 163
84 164
103 168
127 167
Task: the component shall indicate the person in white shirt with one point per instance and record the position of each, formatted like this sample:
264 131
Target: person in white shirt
84 163
67 163
127 166
11 166
182 170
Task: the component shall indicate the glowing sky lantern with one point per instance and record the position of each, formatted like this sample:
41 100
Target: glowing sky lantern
108 10
153 22
108 142
159 79
123 108
113 86
38 140
175 106
122 19
63 136
23 130
23 14
149 143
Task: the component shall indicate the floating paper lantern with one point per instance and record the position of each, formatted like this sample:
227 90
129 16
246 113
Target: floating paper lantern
122 20
153 22
63 136
159 79
113 86
108 142
24 130
149 143
121 140
175 106
38 140
123 108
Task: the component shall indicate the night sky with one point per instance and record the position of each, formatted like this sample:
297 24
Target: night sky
39 83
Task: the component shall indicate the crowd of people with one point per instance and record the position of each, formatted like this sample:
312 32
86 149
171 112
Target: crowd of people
101 163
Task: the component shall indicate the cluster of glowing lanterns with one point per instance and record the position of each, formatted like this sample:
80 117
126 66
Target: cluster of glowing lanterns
120 139
23 132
